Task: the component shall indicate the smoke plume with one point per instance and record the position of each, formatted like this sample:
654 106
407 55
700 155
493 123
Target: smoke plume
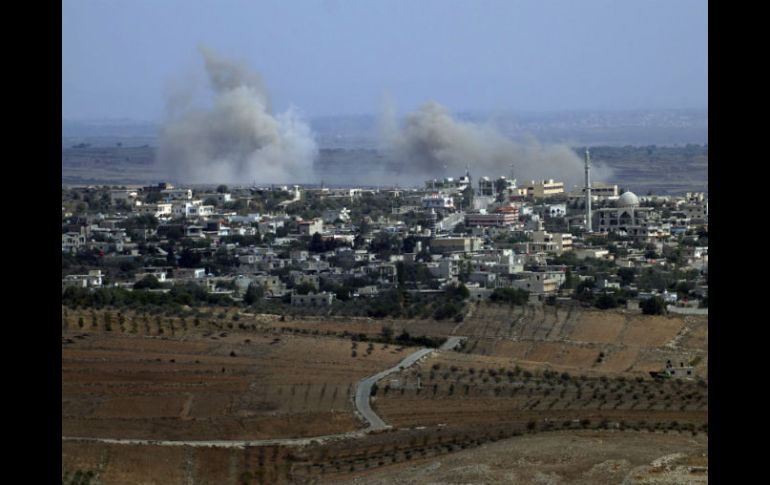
237 139
433 144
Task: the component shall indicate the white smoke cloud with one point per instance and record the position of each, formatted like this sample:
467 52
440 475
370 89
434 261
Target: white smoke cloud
237 139
432 143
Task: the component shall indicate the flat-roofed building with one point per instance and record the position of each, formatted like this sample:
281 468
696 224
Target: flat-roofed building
541 189
455 244
502 216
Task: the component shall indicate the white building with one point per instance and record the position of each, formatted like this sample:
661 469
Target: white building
629 219
176 194
91 280
438 201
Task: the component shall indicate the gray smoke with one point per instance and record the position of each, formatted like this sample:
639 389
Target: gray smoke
237 139
433 144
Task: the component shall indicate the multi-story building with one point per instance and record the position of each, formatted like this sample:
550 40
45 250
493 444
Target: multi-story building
627 217
176 194
455 244
308 228
490 187
541 189
438 201
502 216
543 240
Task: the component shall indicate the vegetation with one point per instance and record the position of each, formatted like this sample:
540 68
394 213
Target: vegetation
653 306
512 296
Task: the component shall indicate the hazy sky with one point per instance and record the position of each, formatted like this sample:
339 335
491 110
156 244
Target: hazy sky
326 57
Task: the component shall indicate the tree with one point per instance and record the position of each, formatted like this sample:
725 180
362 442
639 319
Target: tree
653 306
148 282
254 292
304 288
626 275
222 189
606 300
189 259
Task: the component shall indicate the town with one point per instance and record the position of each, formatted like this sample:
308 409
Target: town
360 251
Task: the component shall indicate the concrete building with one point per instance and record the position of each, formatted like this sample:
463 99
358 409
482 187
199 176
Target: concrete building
159 211
599 191
541 189
490 187
176 194
330 216
127 196
596 253
501 217
455 244
308 228
540 282
313 299
628 218
438 201
543 240
91 280
193 208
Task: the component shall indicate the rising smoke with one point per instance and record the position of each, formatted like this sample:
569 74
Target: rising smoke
433 144
237 139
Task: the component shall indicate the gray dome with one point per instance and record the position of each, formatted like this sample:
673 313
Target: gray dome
627 199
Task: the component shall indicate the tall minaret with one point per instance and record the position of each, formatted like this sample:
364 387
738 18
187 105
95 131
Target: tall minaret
588 192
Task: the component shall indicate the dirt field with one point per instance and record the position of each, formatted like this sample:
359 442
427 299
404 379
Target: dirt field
454 389
586 341
459 417
577 457
225 386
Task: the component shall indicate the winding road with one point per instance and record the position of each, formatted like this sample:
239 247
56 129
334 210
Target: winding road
363 409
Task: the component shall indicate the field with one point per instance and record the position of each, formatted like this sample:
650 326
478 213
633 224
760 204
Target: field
572 339
577 457
539 383
203 385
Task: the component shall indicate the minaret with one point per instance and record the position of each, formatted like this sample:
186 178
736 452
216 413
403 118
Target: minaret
588 192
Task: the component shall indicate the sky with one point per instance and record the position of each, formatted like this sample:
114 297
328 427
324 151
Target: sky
122 58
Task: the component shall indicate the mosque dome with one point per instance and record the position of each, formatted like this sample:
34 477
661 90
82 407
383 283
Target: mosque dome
628 199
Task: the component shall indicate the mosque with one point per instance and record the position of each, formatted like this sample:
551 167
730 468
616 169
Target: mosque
627 217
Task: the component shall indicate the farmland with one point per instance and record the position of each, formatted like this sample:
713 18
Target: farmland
525 379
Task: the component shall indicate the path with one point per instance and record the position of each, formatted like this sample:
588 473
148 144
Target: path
363 407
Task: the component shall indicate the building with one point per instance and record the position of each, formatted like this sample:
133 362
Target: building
176 194
455 244
91 280
541 189
489 187
313 299
595 253
599 190
72 241
193 208
628 218
543 240
438 201
126 196
539 282
331 216
449 183
502 216
308 228
162 210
